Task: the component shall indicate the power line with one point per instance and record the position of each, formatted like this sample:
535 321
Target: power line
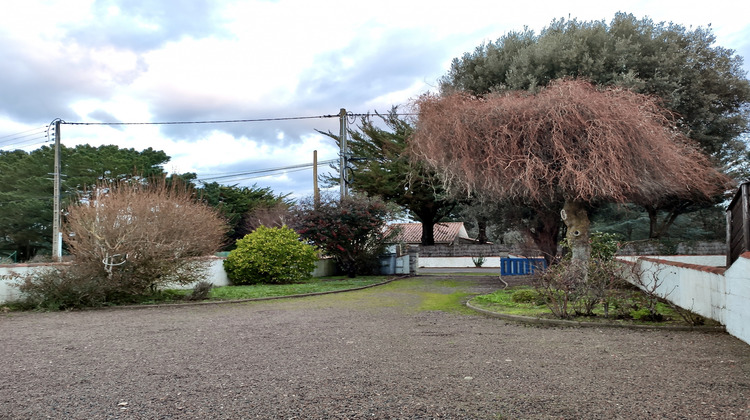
246 120
264 175
265 172
43 129
22 138
26 143
249 120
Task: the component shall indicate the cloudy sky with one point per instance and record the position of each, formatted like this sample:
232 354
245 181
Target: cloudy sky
197 60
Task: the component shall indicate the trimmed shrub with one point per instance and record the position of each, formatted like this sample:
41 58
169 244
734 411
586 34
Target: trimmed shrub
525 296
270 255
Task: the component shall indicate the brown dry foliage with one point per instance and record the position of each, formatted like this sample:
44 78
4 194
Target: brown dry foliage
568 141
154 230
275 215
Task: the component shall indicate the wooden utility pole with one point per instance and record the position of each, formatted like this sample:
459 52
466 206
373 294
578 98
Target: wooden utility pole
343 151
56 234
316 190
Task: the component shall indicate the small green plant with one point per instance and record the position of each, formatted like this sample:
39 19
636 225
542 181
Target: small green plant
604 246
270 255
478 261
525 296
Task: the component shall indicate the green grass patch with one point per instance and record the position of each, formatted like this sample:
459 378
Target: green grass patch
502 301
452 302
317 285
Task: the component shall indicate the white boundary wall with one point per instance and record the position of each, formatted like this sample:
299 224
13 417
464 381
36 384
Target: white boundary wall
456 262
710 291
216 274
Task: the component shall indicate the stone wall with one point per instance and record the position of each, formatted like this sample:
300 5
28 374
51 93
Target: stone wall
673 248
461 250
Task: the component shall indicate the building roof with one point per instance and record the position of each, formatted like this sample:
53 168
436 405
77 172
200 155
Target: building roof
445 232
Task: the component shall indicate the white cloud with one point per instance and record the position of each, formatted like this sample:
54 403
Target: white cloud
141 60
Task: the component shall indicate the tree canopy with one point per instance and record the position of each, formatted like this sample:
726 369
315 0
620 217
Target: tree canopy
236 204
570 142
703 84
26 188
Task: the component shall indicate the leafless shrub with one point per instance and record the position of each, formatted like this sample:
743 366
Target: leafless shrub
142 236
276 215
562 285
200 291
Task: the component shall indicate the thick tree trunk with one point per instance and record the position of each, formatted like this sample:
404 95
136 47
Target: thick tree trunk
576 218
546 235
482 227
428 232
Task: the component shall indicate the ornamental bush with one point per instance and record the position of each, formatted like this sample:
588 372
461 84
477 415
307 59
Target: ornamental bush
270 255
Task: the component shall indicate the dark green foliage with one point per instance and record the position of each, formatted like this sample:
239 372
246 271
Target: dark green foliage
26 187
703 84
381 166
525 296
604 246
236 204
270 255
352 230
66 288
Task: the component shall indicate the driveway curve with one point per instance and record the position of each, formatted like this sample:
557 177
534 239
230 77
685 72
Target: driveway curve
402 350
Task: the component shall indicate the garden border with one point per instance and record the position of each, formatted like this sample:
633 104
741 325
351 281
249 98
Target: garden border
218 302
566 323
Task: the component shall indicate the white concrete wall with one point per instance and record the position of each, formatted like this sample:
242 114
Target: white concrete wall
738 298
710 291
456 262
216 275
702 292
8 278
707 260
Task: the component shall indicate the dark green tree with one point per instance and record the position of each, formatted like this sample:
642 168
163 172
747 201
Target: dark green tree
26 187
237 203
703 84
381 166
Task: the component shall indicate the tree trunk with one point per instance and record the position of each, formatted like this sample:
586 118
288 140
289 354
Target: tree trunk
546 235
576 218
428 232
482 227
657 230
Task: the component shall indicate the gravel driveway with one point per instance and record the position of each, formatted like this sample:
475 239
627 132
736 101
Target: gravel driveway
366 354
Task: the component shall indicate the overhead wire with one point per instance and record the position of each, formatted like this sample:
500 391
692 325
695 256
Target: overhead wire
265 172
21 133
247 120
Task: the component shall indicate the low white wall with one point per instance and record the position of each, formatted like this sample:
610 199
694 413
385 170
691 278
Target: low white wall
8 279
700 291
216 275
456 262
710 291
707 260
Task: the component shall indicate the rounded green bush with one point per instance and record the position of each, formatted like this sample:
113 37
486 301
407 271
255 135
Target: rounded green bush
270 255
524 296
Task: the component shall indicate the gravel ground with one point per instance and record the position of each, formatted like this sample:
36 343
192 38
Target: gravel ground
365 354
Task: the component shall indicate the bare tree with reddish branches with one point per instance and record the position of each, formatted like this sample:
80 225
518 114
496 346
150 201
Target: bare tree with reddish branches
570 143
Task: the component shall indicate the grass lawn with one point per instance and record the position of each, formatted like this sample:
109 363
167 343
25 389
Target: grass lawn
501 301
314 285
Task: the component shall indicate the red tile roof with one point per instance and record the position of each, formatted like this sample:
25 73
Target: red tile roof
445 233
